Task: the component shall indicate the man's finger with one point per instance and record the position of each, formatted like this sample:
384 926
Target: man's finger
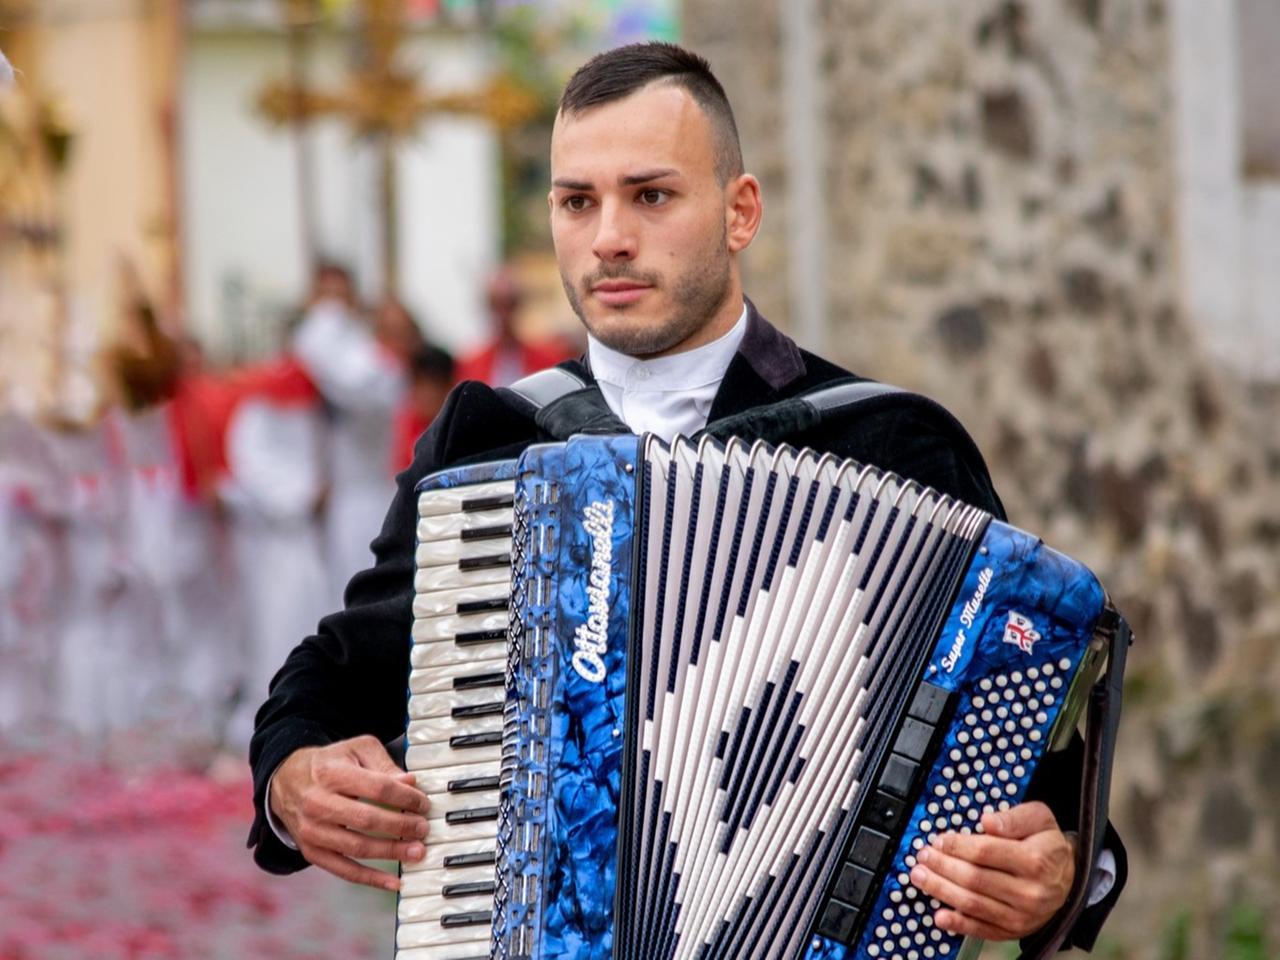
970 903
373 755
995 884
367 818
953 921
997 853
357 846
1017 823
347 869
384 788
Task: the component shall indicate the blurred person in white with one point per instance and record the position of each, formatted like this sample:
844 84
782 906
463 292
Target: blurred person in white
274 491
173 533
360 370
31 582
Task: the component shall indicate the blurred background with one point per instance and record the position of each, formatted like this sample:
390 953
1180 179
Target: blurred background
246 246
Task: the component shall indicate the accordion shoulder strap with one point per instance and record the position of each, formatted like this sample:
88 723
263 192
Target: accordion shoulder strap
563 404
776 422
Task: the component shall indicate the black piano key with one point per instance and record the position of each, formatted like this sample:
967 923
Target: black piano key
472 784
466 741
478 888
470 859
494 709
472 919
869 848
483 606
479 680
929 703
474 815
913 739
839 922
485 563
476 504
471 638
498 532
899 774
884 812
854 884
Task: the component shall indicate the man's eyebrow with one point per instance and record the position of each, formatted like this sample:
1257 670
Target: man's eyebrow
648 175
564 183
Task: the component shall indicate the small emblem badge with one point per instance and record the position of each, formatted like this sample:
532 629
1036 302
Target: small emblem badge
1020 632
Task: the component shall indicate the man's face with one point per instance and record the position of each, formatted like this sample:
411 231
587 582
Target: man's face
641 222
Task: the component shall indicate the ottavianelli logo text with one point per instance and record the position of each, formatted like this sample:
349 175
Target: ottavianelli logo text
591 639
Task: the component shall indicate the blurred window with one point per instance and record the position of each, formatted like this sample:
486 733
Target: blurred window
1258 22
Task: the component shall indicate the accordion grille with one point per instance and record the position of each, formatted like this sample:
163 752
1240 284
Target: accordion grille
790 601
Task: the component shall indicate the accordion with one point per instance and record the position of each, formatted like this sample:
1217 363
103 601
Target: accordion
709 699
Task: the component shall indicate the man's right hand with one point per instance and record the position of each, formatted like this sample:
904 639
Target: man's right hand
324 797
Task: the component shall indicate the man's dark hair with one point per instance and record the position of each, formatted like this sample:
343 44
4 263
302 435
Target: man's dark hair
430 362
622 71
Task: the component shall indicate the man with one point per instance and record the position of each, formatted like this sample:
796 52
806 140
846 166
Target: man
650 210
359 369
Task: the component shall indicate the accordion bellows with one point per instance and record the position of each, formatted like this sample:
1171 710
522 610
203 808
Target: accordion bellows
705 700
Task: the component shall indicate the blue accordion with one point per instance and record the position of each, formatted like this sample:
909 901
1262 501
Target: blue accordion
709 700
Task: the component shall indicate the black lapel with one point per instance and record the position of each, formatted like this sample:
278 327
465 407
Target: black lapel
766 364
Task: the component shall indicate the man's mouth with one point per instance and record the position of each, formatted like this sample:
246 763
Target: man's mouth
619 293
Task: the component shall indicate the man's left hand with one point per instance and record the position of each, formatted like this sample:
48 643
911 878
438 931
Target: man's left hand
1004 883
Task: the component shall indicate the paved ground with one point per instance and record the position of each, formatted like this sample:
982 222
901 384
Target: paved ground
102 861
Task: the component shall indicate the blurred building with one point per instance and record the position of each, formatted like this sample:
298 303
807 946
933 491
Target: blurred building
1062 219
89 123
262 199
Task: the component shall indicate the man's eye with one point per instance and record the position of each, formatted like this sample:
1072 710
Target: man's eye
576 203
653 198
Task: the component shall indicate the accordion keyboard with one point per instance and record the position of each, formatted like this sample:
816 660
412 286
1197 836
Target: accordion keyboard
456 695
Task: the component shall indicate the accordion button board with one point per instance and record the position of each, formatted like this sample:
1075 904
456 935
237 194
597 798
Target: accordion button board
709 701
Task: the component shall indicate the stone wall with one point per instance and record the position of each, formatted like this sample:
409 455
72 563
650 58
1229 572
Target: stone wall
1001 224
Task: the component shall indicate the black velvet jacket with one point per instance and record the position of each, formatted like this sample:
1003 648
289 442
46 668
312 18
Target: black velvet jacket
350 678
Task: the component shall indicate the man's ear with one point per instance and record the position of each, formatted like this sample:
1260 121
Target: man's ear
743 211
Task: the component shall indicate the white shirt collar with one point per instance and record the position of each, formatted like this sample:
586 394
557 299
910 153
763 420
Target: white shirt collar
668 395
699 367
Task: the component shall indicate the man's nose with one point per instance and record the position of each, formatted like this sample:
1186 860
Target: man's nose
615 234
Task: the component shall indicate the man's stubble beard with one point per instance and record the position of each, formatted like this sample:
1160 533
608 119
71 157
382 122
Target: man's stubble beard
699 293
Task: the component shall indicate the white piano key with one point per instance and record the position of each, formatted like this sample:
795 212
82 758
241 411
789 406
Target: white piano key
439 832
438 850
437 779
450 526
435 729
443 553
434 502
442 804
430 883
433 934
439 602
441 679
422 706
420 909
429 579
424 655
430 629
443 755
470 950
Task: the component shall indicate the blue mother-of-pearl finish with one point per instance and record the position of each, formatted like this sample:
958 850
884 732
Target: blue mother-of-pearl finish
578 872
1063 600
489 472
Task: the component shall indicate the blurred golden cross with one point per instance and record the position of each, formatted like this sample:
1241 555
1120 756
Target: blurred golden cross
383 101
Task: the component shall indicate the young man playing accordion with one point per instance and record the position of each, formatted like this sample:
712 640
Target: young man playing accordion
650 209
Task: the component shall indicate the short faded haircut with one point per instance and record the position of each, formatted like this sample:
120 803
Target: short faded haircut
620 72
